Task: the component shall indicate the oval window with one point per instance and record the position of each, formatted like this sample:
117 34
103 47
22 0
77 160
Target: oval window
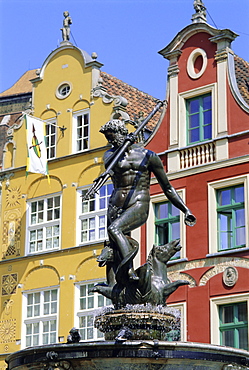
197 63
63 90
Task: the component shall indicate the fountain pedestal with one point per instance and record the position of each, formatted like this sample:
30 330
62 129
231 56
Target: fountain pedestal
134 325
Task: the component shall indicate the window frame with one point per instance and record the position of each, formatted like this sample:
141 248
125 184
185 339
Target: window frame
96 214
231 208
201 125
60 94
212 212
75 138
150 224
51 123
233 326
182 121
44 224
41 318
170 220
215 303
89 311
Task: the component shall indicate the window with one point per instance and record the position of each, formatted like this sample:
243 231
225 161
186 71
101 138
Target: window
51 139
167 224
231 217
199 119
88 303
234 325
63 90
44 224
228 214
40 321
81 132
93 217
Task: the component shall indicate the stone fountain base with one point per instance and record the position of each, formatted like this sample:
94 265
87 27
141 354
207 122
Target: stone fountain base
130 355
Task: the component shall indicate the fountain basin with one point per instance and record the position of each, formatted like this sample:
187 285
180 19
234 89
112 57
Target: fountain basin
130 355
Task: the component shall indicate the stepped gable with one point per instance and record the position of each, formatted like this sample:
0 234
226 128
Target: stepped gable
242 76
22 86
138 101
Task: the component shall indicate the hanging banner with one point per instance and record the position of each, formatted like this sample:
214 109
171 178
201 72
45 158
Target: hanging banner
36 143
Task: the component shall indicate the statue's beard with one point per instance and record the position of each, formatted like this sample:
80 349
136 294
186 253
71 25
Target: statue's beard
118 140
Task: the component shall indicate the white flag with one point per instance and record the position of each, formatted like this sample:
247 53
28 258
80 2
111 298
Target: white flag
36 142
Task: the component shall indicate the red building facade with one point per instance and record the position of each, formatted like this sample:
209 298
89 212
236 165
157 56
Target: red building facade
203 142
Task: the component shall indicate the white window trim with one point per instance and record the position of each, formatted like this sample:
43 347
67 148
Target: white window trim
150 225
53 121
58 93
212 206
74 129
26 320
183 308
30 227
182 121
79 313
191 63
87 215
214 312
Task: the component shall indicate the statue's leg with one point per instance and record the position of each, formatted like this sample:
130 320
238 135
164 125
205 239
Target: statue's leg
130 219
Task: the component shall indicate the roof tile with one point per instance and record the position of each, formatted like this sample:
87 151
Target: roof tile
242 77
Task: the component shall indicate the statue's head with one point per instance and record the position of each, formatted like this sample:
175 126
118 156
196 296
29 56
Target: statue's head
66 14
115 131
164 252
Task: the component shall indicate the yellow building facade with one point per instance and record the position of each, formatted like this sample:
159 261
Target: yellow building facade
49 237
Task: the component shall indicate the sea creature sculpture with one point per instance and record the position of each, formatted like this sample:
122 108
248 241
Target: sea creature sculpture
152 286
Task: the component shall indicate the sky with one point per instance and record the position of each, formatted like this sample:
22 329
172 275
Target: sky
125 34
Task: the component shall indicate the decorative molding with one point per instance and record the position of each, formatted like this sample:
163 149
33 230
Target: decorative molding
7 331
173 276
173 70
11 235
221 55
230 276
120 103
217 266
191 63
9 284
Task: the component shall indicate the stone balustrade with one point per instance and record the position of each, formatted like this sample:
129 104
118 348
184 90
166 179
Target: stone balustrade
196 155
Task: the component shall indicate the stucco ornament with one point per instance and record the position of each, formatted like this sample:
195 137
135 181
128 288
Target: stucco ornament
230 276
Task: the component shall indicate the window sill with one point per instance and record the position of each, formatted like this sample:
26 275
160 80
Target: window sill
179 260
42 252
85 244
230 251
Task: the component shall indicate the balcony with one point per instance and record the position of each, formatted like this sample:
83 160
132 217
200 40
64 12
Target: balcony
197 155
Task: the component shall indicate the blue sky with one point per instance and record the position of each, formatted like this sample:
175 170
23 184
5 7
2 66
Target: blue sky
126 34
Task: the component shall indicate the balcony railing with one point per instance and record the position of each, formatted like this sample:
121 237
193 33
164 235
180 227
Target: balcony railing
197 155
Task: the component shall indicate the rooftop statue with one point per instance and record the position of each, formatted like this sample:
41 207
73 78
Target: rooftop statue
67 21
129 202
200 7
